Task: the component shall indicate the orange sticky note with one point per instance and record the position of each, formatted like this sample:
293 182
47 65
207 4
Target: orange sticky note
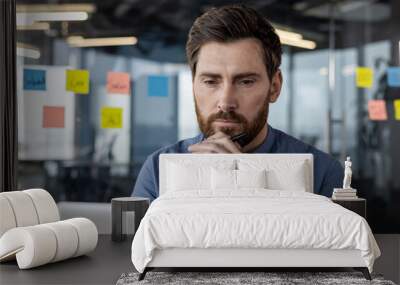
396 104
377 110
364 77
118 82
53 117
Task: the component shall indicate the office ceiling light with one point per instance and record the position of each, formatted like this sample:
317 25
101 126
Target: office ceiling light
86 7
78 41
28 18
41 26
26 50
299 43
288 35
295 39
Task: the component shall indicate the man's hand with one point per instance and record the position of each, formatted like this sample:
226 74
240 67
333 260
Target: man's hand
217 143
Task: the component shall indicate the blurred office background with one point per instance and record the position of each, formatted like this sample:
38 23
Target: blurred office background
102 84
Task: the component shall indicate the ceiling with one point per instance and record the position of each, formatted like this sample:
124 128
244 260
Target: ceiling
167 22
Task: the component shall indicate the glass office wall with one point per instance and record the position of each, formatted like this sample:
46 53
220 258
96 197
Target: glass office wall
102 86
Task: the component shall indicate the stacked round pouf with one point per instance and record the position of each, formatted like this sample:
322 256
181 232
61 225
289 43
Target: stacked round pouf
31 230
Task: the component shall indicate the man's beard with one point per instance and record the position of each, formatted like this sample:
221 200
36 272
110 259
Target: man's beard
252 129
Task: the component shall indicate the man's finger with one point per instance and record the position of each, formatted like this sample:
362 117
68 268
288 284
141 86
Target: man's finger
217 135
228 144
207 147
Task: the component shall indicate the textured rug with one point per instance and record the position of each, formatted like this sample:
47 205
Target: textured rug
229 278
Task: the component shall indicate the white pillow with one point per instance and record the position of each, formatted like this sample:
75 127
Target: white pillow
223 179
293 180
236 179
189 175
251 178
282 174
183 178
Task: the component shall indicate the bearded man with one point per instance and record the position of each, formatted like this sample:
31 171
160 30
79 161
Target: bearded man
234 54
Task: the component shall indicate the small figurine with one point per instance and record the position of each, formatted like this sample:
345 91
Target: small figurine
347 192
347 174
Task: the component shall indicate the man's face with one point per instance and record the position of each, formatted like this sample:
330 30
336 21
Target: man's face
232 89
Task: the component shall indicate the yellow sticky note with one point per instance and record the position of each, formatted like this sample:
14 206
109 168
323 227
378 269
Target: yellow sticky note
364 77
396 104
111 118
77 81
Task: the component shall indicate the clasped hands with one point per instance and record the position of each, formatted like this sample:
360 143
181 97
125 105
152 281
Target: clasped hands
217 143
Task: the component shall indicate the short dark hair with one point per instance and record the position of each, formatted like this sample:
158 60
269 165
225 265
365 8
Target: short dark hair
231 23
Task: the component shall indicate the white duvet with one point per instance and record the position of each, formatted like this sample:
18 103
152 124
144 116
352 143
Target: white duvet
252 218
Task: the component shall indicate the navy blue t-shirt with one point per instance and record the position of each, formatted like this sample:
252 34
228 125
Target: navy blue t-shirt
328 172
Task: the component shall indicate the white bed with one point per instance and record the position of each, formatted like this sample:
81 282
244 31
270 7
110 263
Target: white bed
201 220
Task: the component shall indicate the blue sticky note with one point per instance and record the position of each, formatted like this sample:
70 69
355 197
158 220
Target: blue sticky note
34 79
157 85
393 76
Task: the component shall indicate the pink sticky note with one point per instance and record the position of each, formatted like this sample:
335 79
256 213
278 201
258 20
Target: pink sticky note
53 117
377 110
118 82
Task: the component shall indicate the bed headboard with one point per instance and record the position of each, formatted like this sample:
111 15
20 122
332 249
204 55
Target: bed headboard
267 158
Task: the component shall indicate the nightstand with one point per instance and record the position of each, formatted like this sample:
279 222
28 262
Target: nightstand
122 206
358 205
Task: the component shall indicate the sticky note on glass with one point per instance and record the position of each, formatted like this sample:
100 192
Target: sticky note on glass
157 85
364 77
393 76
111 118
396 104
34 79
377 110
77 81
118 82
53 117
